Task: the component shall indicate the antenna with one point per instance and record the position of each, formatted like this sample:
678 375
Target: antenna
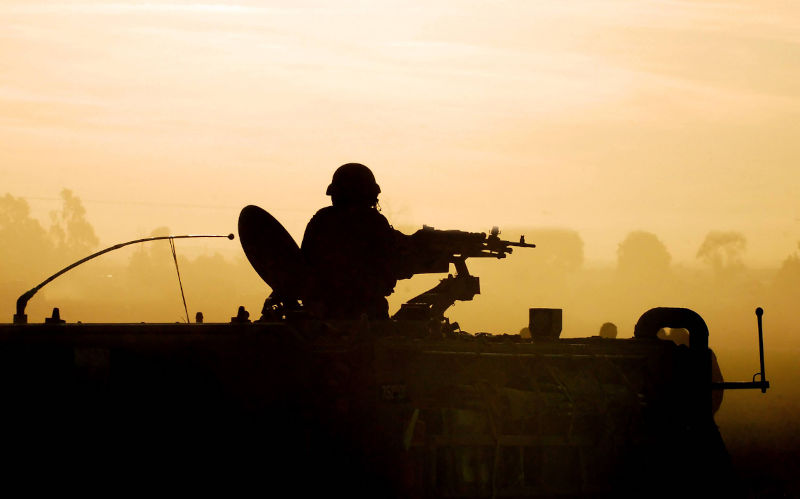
22 301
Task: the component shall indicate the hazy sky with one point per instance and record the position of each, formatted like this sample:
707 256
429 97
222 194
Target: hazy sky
606 116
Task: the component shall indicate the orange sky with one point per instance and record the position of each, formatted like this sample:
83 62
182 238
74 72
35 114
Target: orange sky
605 116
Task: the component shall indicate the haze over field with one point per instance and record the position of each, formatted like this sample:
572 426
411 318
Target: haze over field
604 115
649 148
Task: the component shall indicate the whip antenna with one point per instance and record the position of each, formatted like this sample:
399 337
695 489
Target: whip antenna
22 301
180 284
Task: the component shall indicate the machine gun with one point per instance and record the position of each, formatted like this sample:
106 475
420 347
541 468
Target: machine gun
433 251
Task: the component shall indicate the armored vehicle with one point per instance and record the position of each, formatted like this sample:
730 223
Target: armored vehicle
405 407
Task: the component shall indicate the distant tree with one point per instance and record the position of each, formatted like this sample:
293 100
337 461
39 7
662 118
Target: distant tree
16 223
73 235
151 261
556 248
25 244
788 276
722 251
641 255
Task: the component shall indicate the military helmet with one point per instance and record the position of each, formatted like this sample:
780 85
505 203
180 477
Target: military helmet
353 181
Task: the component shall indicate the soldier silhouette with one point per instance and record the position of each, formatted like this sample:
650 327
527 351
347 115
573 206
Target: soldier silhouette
353 253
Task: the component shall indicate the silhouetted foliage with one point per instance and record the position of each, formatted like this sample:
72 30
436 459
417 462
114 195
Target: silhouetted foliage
150 260
73 235
722 251
557 248
24 239
787 279
642 255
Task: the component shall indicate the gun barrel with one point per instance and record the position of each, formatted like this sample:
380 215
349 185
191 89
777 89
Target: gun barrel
522 244
456 244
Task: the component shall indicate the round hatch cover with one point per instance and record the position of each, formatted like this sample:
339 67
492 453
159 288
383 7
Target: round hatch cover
273 253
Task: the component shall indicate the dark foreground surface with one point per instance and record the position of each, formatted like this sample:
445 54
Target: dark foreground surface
363 409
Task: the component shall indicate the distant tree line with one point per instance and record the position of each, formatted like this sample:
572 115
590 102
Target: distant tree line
554 274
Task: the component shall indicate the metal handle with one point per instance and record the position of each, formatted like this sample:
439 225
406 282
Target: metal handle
743 385
759 314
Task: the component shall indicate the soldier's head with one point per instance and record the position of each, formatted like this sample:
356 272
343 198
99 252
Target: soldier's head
353 184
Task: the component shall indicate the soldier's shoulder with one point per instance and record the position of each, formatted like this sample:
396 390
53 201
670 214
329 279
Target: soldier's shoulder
376 218
324 213
366 218
327 210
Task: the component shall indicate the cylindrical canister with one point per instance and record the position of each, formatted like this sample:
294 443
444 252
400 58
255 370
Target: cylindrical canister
545 323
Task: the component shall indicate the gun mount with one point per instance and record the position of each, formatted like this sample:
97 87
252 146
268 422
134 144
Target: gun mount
433 251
